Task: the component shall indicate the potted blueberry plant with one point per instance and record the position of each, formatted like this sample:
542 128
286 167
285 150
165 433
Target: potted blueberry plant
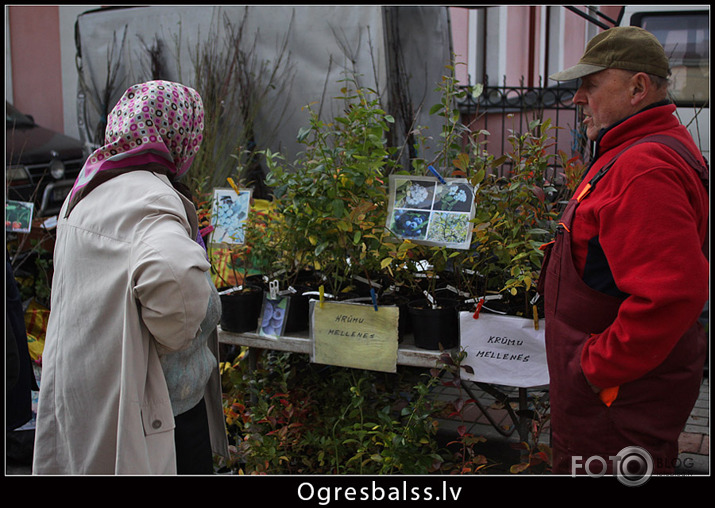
333 196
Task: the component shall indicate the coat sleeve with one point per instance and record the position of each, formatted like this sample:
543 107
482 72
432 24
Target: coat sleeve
169 280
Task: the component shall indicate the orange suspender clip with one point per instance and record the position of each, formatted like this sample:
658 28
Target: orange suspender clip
585 192
545 245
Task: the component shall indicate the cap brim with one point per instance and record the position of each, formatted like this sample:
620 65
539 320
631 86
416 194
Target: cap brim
577 71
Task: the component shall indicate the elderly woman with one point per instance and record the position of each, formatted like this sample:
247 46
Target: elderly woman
130 352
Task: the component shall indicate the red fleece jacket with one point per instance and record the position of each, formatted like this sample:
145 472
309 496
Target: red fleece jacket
649 217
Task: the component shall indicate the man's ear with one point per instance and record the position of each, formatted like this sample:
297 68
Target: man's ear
640 86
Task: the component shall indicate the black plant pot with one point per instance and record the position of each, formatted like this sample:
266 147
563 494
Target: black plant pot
432 327
362 286
257 281
298 317
404 323
298 313
241 309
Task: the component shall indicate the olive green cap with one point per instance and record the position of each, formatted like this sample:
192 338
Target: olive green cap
628 47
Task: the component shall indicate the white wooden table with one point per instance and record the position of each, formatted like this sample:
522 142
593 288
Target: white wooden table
407 353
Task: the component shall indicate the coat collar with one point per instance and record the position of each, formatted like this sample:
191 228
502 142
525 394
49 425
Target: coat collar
188 205
655 117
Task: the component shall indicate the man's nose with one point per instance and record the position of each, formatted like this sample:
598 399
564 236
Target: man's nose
579 97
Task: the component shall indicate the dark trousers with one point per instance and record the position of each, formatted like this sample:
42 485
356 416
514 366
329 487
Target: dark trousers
193 444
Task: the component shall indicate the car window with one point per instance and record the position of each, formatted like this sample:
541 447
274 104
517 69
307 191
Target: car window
14 117
685 36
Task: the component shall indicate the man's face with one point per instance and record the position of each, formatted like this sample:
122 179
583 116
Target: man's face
606 99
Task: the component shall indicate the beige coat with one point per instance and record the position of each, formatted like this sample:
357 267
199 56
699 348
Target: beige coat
129 280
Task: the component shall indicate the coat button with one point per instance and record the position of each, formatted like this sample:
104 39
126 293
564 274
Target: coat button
156 424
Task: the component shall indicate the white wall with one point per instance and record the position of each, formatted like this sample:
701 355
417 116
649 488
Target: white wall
68 16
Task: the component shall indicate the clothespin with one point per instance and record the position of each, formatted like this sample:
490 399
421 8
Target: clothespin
535 311
273 289
480 302
435 173
232 184
322 295
374 298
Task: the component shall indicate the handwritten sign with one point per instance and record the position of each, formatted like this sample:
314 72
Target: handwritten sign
504 350
355 335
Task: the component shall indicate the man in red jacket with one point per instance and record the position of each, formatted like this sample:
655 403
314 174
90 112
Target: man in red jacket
627 276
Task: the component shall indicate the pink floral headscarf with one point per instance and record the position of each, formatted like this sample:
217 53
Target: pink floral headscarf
158 122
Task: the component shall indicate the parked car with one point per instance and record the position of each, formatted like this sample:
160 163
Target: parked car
41 165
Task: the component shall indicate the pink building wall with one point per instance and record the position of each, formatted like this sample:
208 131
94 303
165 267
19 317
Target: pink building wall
459 21
519 38
35 53
36 63
525 55
523 36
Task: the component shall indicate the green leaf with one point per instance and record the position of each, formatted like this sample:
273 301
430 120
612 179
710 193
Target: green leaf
338 208
303 134
320 248
519 468
537 231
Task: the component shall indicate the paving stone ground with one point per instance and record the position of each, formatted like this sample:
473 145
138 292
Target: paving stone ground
694 442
